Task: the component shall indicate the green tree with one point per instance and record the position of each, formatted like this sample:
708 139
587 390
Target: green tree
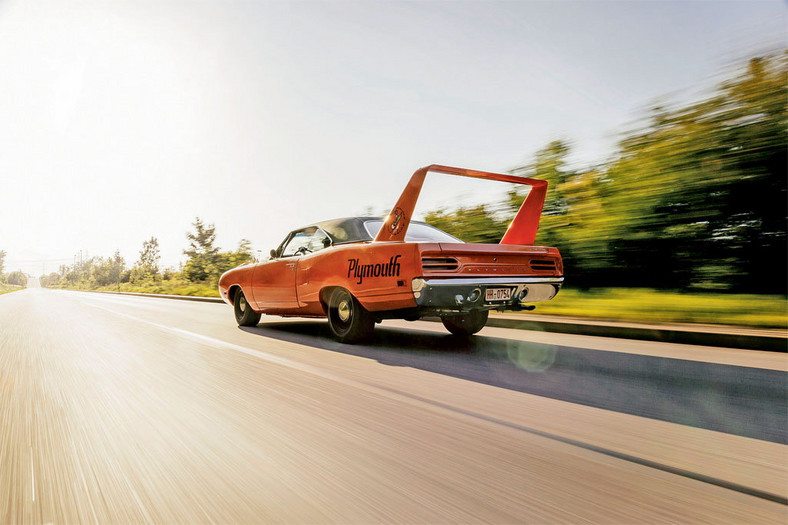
107 271
228 260
700 191
147 266
118 267
17 278
471 224
202 253
549 164
695 195
49 281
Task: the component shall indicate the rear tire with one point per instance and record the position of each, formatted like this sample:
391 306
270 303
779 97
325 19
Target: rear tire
467 323
244 315
349 321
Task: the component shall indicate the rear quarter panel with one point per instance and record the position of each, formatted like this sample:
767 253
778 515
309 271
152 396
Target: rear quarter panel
378 274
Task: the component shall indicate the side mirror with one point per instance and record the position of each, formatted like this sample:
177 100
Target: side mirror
326 242
273 254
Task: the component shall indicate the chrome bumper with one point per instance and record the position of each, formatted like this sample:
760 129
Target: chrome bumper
469 292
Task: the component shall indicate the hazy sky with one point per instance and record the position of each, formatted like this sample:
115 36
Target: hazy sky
124 120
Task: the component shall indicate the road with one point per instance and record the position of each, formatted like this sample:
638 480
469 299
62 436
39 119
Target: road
119 409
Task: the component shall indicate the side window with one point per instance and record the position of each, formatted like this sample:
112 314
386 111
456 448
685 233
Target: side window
306 241
297 241
319 241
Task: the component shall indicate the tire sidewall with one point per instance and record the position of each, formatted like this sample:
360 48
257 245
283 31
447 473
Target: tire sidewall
244 315
358 326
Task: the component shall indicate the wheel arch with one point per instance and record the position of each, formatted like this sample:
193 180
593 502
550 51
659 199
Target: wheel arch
231 293
325 293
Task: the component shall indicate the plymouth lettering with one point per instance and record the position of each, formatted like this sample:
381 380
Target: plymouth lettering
360 271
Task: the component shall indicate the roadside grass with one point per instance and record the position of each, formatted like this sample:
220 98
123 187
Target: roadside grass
164 287
6 288
657 306
168 287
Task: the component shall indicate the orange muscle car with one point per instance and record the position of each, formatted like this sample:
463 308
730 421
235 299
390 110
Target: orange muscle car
359 270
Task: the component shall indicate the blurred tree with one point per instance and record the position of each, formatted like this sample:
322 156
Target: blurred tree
202 254
695 196
549 164
50 280
17 278
228 260
2 264
700 191
107 271
118 267
147 267
474 224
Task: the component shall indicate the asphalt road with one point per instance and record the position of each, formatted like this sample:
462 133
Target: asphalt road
126 410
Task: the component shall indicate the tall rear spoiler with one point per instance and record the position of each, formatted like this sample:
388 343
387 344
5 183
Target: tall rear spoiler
522 229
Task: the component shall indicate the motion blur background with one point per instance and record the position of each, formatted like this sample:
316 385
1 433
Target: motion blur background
661 128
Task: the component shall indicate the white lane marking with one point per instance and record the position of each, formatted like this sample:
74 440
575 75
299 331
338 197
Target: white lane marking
32 476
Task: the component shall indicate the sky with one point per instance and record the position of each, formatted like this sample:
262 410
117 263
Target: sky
120 121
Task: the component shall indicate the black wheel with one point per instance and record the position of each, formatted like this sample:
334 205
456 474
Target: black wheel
349 321
244 314
466 324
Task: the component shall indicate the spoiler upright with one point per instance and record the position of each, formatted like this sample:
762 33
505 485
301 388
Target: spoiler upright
522 229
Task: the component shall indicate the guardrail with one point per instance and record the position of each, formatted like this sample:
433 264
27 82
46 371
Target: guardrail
720 336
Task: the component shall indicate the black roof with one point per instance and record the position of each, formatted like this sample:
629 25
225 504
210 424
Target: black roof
349 229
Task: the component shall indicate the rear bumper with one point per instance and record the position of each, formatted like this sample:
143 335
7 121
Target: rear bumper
467 293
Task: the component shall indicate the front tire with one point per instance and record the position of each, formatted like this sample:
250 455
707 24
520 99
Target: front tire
244 315
349 321
466 324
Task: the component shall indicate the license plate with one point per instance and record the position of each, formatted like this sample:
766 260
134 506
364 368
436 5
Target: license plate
497 294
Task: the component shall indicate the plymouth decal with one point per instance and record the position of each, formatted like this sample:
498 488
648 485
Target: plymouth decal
360 271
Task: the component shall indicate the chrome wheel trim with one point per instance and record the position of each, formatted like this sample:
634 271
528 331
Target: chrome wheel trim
344 310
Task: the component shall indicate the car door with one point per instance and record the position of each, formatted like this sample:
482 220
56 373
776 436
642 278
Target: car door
274 283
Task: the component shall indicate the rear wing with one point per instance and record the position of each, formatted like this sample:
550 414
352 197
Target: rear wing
522 229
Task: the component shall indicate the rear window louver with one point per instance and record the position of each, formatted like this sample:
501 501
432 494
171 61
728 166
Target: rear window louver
439 263
542 264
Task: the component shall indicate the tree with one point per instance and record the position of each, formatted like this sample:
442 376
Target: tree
699 191
228 260
471 224
695 196
50 280
202 254
549 164
118 267
107 271
17 278
147 266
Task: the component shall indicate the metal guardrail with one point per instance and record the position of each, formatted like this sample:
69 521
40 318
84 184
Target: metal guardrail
726 337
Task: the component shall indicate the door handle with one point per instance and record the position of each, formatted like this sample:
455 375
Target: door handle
291 265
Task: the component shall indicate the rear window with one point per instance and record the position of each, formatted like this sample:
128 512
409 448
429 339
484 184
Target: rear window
417 232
